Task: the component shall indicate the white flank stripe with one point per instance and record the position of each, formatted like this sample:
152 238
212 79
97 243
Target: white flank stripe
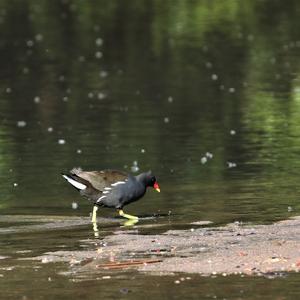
117 183
101 198
75 183
105 192
107 188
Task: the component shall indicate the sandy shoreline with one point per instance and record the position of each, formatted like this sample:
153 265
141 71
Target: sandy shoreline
232 249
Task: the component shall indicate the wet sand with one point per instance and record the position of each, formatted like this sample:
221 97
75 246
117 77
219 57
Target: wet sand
232 249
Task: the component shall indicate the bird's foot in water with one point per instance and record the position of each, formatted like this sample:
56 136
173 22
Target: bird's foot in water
131 222
129 217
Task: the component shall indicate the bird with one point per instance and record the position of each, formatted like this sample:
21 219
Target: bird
111 188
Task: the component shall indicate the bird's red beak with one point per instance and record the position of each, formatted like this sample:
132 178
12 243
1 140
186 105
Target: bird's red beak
156 186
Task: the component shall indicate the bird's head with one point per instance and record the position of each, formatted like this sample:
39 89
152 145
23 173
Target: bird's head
150 180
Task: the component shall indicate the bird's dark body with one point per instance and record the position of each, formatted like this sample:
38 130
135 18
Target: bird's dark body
110 188
122 194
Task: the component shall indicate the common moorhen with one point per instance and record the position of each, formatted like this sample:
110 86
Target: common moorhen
111 188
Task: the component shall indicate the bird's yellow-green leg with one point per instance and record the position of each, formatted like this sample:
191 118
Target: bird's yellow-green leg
94 221
129 217
94 214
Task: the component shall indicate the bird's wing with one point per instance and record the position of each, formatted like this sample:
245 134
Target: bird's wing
101 179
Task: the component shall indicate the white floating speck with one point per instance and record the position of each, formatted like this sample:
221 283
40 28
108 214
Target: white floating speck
170 99
98 54
289 209
65 99
8 90
91 95
50 129
74 205
209 155
79 151
166 120
21 123
99 42
208 65
101 95
37 99
103 74
143 150
231 164
134 167
203 160
15 184
39 37
231 90
29 43
61 141
25 70
232 132
214 77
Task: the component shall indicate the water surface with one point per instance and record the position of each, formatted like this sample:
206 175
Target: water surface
206 95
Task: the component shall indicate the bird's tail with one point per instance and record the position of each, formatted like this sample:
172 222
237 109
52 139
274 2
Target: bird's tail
83 186
79 183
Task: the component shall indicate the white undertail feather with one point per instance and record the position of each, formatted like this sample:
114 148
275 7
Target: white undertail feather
75 183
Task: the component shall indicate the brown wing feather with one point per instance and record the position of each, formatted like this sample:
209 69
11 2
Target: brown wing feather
101 179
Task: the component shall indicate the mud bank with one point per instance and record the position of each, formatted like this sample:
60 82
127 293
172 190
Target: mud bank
232 249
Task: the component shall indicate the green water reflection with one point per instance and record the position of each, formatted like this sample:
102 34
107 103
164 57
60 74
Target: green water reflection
159 82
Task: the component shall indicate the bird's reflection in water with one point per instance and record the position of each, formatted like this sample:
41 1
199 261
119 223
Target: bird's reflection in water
127 223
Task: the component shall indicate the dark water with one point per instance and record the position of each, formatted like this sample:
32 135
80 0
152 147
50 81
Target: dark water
205 94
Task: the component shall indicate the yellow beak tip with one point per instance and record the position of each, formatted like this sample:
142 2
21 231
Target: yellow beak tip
158 190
